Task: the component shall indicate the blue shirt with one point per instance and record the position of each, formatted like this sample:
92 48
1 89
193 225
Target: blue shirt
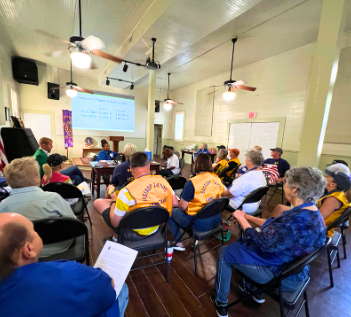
294 234
282 165
121 174
201 151
56 289
188 191
103 155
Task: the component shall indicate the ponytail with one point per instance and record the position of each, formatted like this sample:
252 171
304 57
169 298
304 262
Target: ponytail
348 195
48 172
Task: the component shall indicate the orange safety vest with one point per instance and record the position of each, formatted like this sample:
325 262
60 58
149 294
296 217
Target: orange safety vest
151 190
340 196
207 188
220 166
236 160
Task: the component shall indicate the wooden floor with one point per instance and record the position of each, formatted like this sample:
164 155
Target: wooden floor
186 295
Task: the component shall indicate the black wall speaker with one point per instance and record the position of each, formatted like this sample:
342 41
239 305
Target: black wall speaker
157 106
25 71
53 93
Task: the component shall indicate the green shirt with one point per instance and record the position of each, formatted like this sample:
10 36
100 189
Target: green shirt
41 158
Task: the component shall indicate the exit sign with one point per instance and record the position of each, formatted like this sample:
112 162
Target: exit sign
251 115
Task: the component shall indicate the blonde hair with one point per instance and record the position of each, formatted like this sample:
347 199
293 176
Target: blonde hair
129 149
23 172
45 141
222 154
257 148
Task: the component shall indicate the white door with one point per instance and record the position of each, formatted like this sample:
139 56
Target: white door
239 138
39 123
265 135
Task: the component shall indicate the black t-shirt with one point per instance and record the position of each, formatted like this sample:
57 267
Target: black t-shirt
121 174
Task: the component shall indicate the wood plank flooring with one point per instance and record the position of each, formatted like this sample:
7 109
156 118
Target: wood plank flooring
187 295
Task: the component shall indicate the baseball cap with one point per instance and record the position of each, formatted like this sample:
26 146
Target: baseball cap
55 159
338 161
340 174
219 147
278 149
235 151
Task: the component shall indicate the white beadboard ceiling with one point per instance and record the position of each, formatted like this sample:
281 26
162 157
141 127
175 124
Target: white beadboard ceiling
193 36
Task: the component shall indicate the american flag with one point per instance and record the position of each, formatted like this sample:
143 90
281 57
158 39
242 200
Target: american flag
3 159
271 173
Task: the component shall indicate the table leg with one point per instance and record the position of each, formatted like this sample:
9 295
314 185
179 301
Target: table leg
98 179
92 182
157 170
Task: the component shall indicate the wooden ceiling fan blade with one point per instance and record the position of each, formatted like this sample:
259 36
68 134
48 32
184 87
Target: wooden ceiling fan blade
80 89
177 103
245 87
106 56
93 43
42 32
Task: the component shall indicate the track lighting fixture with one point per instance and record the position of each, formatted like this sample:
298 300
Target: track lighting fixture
125 67
107 82
131 86
125 81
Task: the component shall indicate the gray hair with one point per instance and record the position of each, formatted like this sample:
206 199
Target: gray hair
22 172
309 181
255 157
205 145
222 154
129 149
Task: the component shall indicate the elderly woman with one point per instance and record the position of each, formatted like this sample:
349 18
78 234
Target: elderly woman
202 149
198 191
31 201
121 175
265 254
172 164
221 161
247 183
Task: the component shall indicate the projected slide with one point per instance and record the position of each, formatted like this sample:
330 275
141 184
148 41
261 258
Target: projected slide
100 112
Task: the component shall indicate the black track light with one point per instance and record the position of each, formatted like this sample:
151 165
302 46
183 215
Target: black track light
107 81
131 86
125 67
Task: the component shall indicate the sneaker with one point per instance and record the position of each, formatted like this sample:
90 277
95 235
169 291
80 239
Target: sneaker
178 248
221 308
258 298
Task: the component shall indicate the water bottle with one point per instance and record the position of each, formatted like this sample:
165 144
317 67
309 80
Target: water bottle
169 252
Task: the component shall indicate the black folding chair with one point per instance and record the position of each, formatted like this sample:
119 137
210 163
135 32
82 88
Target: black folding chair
176 181
211 209
286 300
144 218
53 230
333 249
69 191
275 189
181 165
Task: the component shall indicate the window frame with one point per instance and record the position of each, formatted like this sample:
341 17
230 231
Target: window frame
175 125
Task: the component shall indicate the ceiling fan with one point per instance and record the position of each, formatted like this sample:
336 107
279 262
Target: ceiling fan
81 48
233 84
168 102
72 88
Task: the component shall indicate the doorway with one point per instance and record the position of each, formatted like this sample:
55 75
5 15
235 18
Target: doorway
158 129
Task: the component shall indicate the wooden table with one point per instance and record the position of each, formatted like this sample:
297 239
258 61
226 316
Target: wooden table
98 170
213 156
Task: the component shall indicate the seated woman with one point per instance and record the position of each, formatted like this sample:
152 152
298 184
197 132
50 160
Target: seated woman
247 183
202 149
106 154
234 160
221 161
172 164
195 195
121 175
265 254
52 170
243 169
336 200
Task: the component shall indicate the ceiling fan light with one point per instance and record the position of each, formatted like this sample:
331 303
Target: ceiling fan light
71 93
167 106
81 60
229 95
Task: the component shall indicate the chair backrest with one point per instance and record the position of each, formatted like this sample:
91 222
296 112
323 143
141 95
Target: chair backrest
223 173
177 181
181 163
144 218
339 221
176 153
94 158
255 196
299 264
213 208
65 190
52 230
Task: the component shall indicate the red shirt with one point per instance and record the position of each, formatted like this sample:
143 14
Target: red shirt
56 177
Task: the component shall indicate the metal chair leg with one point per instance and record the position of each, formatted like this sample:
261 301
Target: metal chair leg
307 311
338 256
87 211
343 236
195 257
330 269
281 302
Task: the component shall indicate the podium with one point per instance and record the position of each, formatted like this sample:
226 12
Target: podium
115 140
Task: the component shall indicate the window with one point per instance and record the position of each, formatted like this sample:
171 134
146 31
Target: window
179 126
14 103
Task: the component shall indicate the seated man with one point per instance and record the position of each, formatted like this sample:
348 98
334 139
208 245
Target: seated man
144 191
56 288
31 201
276 159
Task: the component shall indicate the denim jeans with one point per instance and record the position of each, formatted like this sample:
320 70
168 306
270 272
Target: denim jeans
180 219
75 174
259 274
122 299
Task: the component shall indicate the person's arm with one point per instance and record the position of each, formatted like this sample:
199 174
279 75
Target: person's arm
232 165
257 221
227 193
175 201
188 195
240 216
123 202
329 205
114 180
63 207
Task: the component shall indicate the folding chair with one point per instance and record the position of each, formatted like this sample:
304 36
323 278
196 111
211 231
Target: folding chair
181 165
53 230
275 188
177 182
144 218
333 249
211 209
69 191
286 300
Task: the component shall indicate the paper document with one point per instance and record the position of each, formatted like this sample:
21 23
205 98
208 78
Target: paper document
116 260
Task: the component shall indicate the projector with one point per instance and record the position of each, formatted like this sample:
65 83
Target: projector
152 64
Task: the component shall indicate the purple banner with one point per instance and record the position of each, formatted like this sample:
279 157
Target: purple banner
67 128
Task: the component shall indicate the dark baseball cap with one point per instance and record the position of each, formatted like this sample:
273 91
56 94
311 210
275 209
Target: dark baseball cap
278 149
341 175
338 161
55 159
221 147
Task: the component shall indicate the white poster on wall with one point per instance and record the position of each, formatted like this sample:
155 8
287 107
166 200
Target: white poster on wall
39 123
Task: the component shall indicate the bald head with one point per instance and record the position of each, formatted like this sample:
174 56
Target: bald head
19 243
